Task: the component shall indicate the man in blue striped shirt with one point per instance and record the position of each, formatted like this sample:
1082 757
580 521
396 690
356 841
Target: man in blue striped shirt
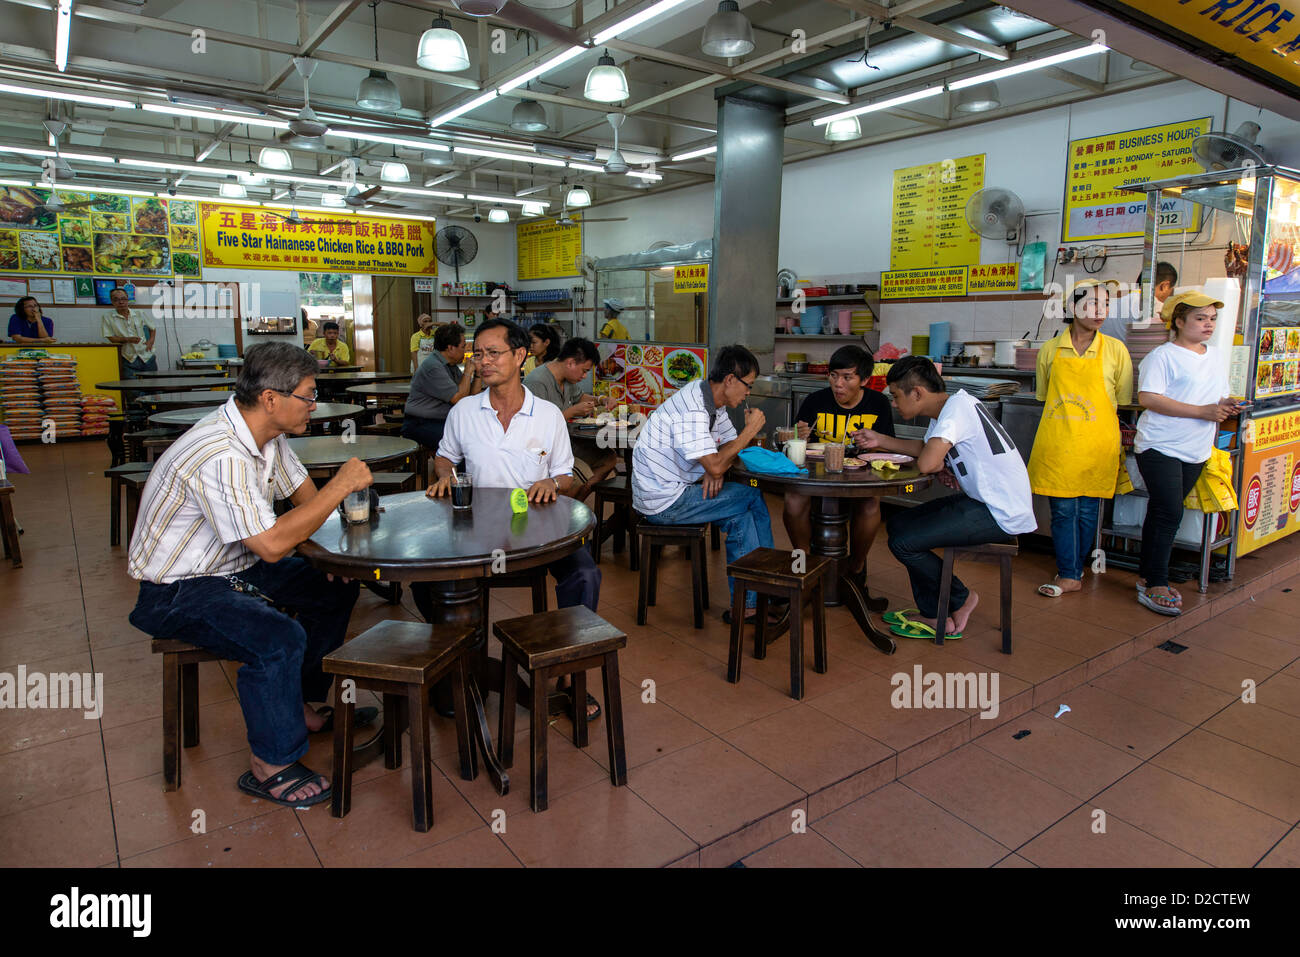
684 451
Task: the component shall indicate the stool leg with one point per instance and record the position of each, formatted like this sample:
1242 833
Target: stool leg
421 766
796 646
600 530
945 594
132 506
736 649
506 720
464 740
539 593
115 511
656 553
1005 614
704 576
394 722
537 732
819 629
190 704
717 540
579 689
171 722
614 719
697 584
643 585
635 555
341 779
760 628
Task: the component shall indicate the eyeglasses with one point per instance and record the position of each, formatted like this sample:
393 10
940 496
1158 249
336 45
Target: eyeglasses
749 386
300 398
490 354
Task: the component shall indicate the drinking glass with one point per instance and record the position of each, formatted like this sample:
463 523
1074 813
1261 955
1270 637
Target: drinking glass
357 507
834 457
462 490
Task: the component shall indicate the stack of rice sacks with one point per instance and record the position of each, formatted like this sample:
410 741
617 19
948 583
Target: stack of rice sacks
60 393
95 410
20 396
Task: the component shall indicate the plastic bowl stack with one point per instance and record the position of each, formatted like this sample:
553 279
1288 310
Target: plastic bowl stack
1142 341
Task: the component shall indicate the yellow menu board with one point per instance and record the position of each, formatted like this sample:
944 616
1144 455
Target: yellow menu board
995 277
923 283
547 250
1096 207
1270 481
691 278
242 237
929 214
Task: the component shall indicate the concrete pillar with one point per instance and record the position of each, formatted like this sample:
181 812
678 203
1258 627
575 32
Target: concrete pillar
746 226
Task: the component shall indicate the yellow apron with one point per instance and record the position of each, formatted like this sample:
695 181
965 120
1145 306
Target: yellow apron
1078 439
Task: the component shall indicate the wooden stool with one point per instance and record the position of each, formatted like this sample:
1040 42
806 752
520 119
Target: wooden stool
715 539
1002 555
653 539
135 441
115 475
401 660
550 645
133 483
532 578
180 702
769 571
9 525
616 491
385 483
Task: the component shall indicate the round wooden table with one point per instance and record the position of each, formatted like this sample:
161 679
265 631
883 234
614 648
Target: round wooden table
419 539
381 390
179 373
830 522
324 412
180 400
181 383
322 455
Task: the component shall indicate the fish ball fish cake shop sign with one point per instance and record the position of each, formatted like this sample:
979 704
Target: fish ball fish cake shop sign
238 237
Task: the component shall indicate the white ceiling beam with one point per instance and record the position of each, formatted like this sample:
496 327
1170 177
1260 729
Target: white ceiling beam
333 20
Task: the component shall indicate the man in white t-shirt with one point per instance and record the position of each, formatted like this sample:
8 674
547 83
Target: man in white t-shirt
1127 310
968 449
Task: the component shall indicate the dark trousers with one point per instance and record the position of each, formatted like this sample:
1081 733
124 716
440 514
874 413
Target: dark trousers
428 432
281 654
915 532
1168 481
135 366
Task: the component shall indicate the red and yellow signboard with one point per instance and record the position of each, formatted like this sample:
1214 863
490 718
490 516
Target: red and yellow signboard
1270 473
923 283
241 237
995 277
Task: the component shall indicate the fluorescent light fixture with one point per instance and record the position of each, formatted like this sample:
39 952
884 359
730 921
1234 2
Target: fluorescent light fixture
252 179
506 199
62 32
589 167
513 157
652 177
693 154
332 199
178 167
543 67
1090 50
395 172
273 157
415 191
16 182
634 21
37 151
85 98
195 198
578 197
383 138
233 191
881 105
498 214
473 104
219 116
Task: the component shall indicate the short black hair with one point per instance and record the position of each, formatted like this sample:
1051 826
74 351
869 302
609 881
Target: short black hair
1165 272
853 357
733 360
326 327
1079 294
583 350
444 337
278 366
516 338
912 371
549 335
18 306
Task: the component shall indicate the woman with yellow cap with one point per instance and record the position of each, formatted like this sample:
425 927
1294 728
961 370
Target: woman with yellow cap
1082 376
1183 386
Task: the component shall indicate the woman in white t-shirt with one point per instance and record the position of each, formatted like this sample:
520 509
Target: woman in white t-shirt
1183 386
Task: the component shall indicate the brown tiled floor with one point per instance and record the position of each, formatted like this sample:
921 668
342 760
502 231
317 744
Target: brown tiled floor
1159 762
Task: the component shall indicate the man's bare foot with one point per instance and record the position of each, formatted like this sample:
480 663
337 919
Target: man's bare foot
261 770
961 616
929 623
314 721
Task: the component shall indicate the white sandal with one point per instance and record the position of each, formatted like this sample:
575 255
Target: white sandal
1051 591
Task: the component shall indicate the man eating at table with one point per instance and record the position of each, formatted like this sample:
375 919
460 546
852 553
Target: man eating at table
832 415
969 450
506 437
214 564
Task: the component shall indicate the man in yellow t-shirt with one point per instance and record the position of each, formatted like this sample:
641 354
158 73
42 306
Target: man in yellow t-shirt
613 329
422 340
329 347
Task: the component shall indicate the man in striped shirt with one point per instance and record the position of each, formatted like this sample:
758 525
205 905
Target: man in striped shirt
684 451
212 560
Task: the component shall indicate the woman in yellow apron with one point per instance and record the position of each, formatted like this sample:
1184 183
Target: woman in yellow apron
1082 378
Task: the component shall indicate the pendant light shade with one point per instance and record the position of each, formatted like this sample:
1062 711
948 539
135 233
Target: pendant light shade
498 214
606 83
378 92
578 197
233 190
528 117
843 130
533 209
728 32
479 8
978 99
394 172
442 49
272 157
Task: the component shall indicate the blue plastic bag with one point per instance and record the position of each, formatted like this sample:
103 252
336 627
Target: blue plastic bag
767 462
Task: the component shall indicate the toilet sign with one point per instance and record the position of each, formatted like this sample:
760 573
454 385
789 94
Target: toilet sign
691 278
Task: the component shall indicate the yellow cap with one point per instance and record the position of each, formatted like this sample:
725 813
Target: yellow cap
1067 297
1194 299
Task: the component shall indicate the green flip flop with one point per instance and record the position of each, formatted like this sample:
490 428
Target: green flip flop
899 617
915 629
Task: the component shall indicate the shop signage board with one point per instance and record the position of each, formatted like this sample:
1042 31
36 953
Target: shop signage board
1270 481
112 235
1097 167
244 237
423 285
1279 362
691 278
929 214
547 250
996 277
923 283
643 377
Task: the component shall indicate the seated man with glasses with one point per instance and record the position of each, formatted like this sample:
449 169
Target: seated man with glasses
215 567
506 437
682 456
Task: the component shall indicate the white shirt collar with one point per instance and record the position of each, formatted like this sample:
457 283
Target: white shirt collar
242 432
526 409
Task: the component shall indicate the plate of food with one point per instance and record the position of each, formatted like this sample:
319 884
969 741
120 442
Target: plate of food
643 386
23 208
896 457
40 251
1266 342
588 421
75 231
132 255
183 212
8 249
77 259
610 368
1264 376
1279 374
150 216
111 203
633 355
185 264
1292 341
682 366
185 237
110 222
652 355
852 463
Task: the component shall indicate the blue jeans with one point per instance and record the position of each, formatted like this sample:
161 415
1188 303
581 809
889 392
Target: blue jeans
739 508
131 369
915 532
281 655
1074 533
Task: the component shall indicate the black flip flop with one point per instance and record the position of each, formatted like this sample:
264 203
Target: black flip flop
361 718
567 693
294 777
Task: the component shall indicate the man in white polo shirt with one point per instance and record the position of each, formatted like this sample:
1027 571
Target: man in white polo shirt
506 437
684 451
213 563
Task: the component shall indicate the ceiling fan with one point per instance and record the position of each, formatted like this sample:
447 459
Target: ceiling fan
55 127
564 219
293 216
306 123
616 163
520 15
